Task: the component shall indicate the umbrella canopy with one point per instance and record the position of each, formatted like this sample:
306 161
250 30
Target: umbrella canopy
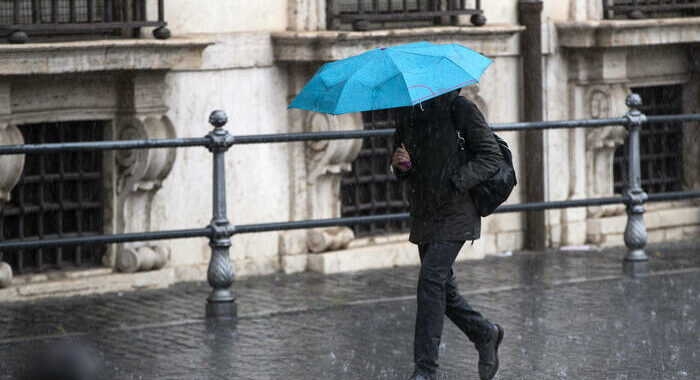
397 76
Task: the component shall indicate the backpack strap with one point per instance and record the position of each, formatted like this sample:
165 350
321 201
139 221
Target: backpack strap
461 143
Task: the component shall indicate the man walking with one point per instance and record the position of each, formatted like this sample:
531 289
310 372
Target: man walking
443 218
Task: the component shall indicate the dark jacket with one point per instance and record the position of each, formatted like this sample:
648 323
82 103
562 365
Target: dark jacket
440 205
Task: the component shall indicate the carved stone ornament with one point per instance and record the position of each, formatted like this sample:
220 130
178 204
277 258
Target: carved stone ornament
327 161
11 166
5 274
601 144
144 169
140 174
142 258
598 104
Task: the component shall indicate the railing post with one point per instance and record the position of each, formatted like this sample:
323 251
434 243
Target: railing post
221 303
636 263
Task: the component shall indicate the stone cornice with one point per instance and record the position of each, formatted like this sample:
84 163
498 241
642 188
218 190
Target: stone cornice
327 46
623 33
101 55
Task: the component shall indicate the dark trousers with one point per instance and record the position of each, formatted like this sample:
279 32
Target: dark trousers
438 296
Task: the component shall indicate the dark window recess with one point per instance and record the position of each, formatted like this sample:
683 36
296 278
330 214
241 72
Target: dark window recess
370 188
661 145
638 9
58 195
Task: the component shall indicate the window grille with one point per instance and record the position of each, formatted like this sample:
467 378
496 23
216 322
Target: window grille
58 195
637 9
51 18
661 145
386 14
370 188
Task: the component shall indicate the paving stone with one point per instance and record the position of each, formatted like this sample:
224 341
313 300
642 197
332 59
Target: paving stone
566 315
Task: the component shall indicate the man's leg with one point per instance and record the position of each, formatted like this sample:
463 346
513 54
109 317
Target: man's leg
485 335
436 263
477 328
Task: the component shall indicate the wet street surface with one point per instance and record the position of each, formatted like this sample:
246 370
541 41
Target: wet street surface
567 315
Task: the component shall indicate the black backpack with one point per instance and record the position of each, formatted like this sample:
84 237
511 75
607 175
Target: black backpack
491 193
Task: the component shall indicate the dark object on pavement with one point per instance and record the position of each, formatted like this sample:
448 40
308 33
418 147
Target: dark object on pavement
66 360
488 354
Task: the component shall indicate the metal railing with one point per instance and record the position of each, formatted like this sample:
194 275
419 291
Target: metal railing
21 18
220 274
385 14
638 9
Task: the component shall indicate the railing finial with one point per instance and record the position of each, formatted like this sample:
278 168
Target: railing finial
633 101
218 118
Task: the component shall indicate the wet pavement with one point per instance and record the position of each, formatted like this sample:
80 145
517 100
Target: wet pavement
567 315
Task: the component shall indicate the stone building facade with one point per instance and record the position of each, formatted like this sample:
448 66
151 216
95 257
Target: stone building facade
250 59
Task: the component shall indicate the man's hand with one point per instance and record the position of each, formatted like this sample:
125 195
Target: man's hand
401 159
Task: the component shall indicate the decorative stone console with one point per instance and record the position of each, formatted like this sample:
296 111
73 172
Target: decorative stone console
317 169
10 166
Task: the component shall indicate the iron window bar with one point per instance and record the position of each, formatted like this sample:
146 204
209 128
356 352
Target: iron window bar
638 9
57 194
221 302
20 19
385 14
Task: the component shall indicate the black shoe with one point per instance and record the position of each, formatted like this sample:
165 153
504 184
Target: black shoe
488 355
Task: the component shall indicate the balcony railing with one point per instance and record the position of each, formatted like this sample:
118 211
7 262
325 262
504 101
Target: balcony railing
20 19
637 9
387 14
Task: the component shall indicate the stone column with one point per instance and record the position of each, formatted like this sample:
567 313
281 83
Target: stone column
140 173
530 14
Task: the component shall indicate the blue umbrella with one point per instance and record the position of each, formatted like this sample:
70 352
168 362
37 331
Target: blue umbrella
397 76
